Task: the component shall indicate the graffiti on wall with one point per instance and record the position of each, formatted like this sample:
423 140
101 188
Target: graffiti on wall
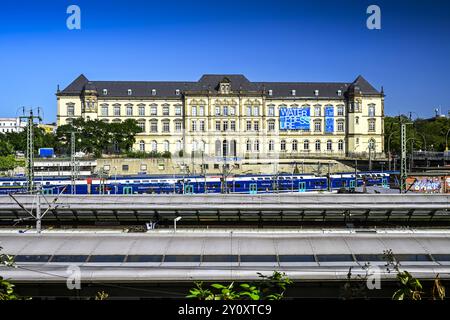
425 184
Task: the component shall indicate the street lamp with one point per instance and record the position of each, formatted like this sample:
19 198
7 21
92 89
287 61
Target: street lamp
175 223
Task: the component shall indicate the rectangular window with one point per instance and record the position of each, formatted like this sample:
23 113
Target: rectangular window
142 126
124 167
225 110
249 125
142 111
178 110
130 111
178 126
232 111
256 125
154 110
117 111
255 111
70 111
202 125
194 125
105 111
271 125
194 111
340 111
317 111
165 111
154 126
271 112
371 111
217 125
233 125
317 126
201 111
166 127
249 111
340 126
217 111
371 125
225 126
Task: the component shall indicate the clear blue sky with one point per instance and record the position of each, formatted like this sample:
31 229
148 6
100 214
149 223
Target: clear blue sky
264 40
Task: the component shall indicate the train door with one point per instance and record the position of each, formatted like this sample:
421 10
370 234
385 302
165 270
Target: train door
48 191
352 184
253 188
302 186
384 183
127 190
188 189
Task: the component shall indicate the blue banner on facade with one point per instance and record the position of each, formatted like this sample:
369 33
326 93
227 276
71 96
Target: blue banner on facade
329 119
295 118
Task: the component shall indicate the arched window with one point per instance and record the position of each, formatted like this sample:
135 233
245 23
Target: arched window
329 145
166 145
225 148
341 145
233 148
194 145
256 145
271 145
249 145
283 145
317 145
306 145
294 145
202 146
218 146
372 144
142 146
154 146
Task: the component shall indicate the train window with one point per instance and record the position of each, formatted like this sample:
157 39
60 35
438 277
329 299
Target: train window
334 257
413 257
107 258
238 185
260 178
32 258
182 258
258 258
144 258
266 178
145 181
297 258
69 258
369 257
441 257
220 258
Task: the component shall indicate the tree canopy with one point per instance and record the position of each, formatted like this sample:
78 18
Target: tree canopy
426 134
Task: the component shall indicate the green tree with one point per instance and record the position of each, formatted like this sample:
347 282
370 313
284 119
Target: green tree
9 163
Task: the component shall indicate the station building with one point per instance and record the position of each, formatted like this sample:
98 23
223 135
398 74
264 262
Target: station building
229 116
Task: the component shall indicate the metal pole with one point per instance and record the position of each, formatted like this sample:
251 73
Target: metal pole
38 213
403 168
72 162
30 153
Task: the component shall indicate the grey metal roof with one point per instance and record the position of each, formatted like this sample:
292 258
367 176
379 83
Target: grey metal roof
105 256
210 83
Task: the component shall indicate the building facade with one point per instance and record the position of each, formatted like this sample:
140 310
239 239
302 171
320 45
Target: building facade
11 125
229 116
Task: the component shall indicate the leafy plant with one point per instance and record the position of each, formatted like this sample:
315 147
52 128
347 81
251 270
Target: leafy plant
270 287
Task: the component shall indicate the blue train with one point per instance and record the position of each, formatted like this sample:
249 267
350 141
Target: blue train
164 184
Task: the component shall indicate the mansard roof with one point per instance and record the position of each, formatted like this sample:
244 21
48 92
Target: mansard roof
210 83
